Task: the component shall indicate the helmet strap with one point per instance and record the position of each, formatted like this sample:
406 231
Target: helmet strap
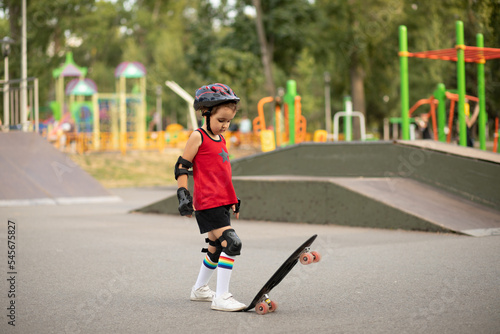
207 115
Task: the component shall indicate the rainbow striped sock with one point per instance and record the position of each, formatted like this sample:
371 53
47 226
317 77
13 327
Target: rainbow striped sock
224 270
209 263
226 262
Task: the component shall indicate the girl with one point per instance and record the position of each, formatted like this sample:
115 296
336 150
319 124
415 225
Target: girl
214 193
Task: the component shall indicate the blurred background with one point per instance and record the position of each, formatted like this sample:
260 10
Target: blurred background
349 45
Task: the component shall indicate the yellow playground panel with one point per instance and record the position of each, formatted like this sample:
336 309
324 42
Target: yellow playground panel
320 136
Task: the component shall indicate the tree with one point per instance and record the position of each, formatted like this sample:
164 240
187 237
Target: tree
353 34
287 27
195 42
264 49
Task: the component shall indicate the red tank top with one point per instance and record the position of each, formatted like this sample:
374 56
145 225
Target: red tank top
213 186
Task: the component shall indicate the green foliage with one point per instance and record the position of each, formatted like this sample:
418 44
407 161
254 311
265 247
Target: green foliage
194 42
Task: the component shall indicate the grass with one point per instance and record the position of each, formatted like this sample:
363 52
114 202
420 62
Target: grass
134 169
138 168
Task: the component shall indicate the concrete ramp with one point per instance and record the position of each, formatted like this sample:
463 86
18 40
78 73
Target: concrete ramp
435 206
33 172
424 186
393 203
396 203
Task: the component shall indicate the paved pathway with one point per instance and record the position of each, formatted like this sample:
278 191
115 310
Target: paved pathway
94 268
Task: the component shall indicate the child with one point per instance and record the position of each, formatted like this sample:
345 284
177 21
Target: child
214 194
469 121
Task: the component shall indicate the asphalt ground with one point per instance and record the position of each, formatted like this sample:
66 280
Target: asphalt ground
95 268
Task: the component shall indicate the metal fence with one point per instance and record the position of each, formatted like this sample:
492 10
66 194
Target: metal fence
13 118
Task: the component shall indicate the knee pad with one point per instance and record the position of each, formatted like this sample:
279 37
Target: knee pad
214 257
233 242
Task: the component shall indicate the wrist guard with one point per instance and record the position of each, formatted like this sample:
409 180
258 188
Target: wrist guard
237 205
185 202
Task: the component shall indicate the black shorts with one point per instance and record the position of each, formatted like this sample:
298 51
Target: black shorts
212 219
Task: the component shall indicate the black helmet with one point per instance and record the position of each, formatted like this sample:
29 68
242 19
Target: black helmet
212 95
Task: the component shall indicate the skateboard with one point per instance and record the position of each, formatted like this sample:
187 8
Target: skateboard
262 303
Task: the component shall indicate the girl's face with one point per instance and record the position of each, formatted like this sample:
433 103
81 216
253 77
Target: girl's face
219 122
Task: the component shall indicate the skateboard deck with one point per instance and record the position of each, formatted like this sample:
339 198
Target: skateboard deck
262 303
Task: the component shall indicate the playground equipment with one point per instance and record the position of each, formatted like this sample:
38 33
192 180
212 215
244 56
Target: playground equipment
68 69
495 136
320 136
348 114
82 112
122 115
454 98
438 100
433 102
124 71
396 122
289 128
186 97
460 54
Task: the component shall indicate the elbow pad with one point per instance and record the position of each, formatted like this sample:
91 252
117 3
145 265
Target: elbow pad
181 171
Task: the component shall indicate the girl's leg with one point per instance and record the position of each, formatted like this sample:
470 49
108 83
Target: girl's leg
201 291
226 261
208 265
231 245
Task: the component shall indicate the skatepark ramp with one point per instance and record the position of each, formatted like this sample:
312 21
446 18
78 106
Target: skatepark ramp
33 172
417 185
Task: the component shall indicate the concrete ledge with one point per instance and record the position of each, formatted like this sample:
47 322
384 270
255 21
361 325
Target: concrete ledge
391 203
424 186
320 201
369 202
466 172
466 152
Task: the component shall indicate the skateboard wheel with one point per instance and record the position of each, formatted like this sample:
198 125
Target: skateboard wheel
262 308
316 256
273 307
306 258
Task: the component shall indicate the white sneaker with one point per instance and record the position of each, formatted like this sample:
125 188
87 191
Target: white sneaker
202 294
227 303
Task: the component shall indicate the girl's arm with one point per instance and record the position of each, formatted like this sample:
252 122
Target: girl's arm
190 151
185 200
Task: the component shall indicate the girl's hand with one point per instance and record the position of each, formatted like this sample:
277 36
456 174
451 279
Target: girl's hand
190 216
235 213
